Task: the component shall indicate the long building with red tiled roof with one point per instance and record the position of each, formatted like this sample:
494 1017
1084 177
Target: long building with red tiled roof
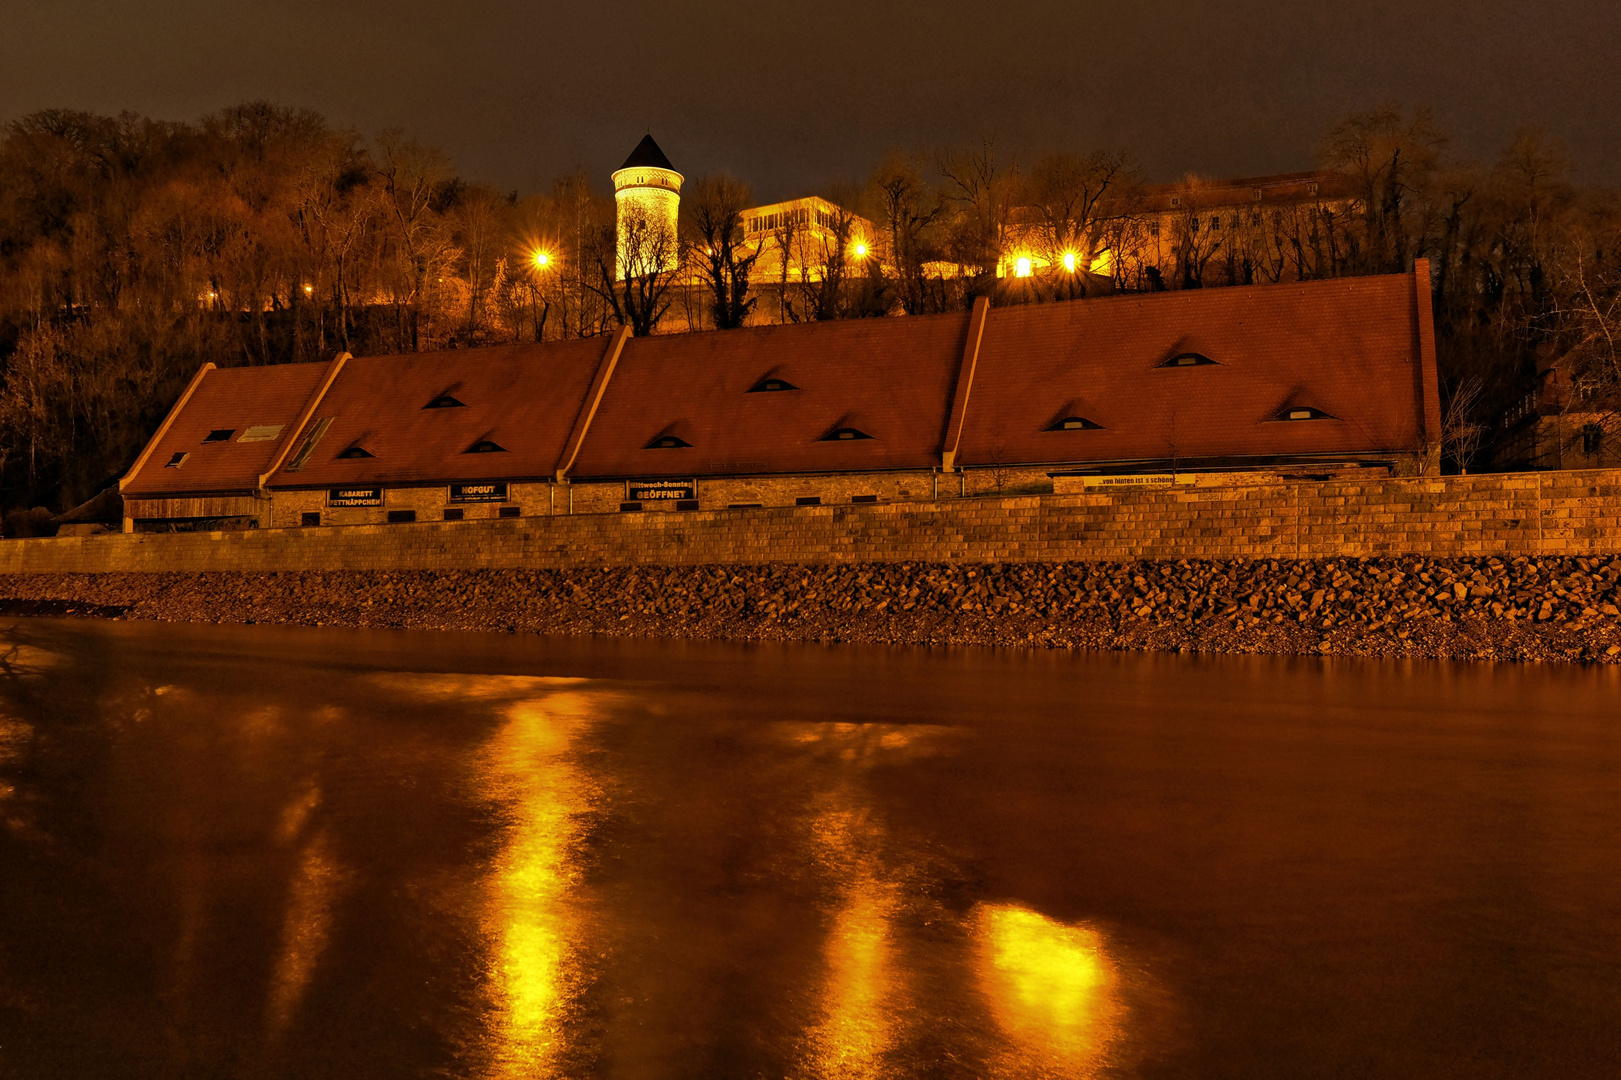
1317 376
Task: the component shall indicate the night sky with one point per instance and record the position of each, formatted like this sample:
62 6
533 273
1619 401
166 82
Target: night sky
792 96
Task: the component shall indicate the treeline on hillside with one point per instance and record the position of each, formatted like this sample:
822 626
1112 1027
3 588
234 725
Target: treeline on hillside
134 250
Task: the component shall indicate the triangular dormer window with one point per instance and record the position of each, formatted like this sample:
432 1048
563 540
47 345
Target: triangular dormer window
1303 412
445 401
667 442
1189 359
771 386
354 452
1074 423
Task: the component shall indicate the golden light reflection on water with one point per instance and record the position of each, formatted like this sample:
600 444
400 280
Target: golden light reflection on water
531 917
305 929
865 995
1052 989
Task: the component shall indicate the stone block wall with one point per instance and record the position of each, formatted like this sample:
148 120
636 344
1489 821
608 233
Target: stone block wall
1566 513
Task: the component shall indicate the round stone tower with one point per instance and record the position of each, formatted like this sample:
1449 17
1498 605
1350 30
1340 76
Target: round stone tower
647 190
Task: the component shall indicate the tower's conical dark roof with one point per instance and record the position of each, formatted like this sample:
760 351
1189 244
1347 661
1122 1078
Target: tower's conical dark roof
647 155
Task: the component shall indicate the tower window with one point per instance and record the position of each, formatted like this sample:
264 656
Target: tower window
444 401
1075 423
667 442
1303 412
1188 359
769 386
354 452
485 446
220 435
844 434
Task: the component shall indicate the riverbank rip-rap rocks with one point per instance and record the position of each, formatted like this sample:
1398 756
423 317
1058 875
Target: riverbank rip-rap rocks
1501 608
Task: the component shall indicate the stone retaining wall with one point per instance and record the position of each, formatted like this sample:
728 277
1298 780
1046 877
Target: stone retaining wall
1563 513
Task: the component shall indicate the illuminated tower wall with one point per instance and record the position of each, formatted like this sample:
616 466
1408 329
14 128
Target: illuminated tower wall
647 190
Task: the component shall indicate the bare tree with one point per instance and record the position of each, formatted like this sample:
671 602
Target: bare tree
650 254
715 225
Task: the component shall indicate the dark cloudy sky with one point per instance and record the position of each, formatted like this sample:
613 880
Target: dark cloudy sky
793 95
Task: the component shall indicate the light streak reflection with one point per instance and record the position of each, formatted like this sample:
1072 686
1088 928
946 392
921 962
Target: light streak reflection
532 919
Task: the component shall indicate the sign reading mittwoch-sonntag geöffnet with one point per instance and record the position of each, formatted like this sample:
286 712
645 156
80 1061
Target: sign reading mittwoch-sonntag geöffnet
355 496
483 491
660 490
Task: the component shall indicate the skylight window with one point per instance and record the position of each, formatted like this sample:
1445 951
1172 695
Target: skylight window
1303 412
1074 423
1188 359
220 435
844 434
769 386
261 433
354 452
485 446
667 442
176 461
445 401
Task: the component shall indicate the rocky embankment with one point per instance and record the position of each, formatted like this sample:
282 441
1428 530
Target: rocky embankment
1502 608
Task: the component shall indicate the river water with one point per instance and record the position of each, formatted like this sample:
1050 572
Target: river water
276 852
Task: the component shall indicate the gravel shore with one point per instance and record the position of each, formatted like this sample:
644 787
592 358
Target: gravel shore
1485 608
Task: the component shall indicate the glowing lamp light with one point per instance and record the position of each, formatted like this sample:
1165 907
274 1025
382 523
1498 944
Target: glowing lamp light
1069 262
309 290
861 250
1021 266
542 260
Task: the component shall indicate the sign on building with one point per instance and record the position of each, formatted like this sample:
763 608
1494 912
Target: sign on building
660 490
1140 480
483 491
355 496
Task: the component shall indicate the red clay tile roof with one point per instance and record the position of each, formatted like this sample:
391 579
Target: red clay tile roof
234 399
522 397
1347 347
889 378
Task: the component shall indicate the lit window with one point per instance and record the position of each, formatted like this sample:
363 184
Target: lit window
176 461
844 434
1188 359
1303 412
220 435
667 442
485 446
1074 423
444 401
768 386
1021 266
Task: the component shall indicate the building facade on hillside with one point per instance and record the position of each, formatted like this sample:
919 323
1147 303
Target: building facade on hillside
798 240
1316 378
1253 230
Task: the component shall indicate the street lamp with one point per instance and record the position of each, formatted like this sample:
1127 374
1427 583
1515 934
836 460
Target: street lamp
861 250
542 260
1069 262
